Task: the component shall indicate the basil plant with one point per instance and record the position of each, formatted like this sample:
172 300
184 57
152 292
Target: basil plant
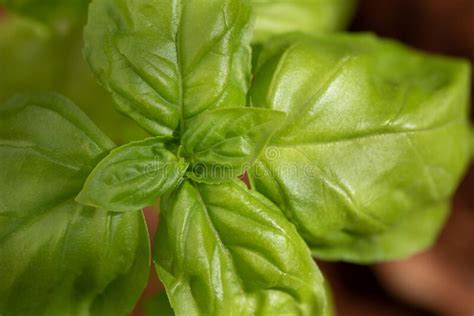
353 147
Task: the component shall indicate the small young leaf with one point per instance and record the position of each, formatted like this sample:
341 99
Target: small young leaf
58 257
374 145
132 176
224 250
168 61
222 144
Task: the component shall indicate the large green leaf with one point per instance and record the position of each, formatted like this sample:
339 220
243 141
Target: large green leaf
220 145
168 61
376 140
224 250
32 57
275 17
133 176
57 256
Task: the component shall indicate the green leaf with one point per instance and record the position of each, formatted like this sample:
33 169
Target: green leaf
32 57
472 142
165 62
275 17
374 145
20 40
59 257
222 144
132 176
157 305
224 250
62 16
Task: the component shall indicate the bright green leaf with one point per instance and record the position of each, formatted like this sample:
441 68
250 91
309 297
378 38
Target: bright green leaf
375 143
224 250
275 17
222 144
132 176
168 61
34 58
57 256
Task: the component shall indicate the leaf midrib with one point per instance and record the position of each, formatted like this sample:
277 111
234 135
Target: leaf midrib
370 134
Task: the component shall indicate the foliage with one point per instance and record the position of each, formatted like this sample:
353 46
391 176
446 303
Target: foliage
353 145
377 131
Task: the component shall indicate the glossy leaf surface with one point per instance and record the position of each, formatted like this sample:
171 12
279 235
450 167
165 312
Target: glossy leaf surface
224 250
220 145
57 256
132 176
376 140
168 61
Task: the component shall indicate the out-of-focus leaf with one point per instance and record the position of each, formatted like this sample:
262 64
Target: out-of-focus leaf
275 17
33 58
58 257
157 305
62 15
